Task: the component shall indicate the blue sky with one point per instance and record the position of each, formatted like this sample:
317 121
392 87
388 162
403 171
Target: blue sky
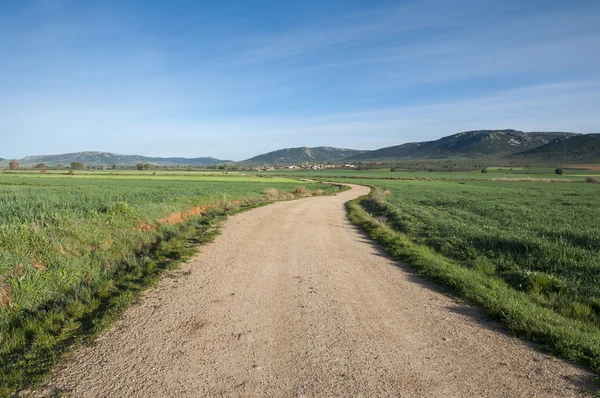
238 78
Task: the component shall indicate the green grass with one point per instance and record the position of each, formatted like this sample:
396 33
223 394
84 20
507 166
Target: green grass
527 252
74 251
493 173
140 175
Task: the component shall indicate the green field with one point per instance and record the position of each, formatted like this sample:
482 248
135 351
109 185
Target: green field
493 173
74 250
529 252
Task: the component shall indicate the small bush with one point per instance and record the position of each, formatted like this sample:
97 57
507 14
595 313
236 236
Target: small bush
300 190
118 208
541 282
591 180
484 170
13 165
319 192
272 194
559 172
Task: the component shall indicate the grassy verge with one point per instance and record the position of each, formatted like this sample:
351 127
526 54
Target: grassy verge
38 337
578 341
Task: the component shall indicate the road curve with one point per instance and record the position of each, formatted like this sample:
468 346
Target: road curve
291 301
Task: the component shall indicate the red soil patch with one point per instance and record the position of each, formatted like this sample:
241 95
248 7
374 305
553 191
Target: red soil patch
5 290
70 253
179 217
39 265
145 227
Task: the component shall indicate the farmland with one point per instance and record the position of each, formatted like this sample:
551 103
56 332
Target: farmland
76 249
527 251
574 174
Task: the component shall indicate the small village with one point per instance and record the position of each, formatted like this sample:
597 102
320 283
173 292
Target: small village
307 166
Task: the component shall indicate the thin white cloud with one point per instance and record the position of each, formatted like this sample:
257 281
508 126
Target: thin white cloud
365 80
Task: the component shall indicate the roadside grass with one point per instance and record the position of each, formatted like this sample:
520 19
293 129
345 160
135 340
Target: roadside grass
36 339
75 252
528 253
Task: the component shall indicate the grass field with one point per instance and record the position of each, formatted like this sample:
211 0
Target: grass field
538 173
529 252
74 250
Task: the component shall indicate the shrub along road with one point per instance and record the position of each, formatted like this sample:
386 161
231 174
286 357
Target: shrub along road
292 300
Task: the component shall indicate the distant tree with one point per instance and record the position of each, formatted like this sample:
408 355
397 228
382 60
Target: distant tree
559 172
40 166
77 166
143 166
13 165
59 167
114 166
484 170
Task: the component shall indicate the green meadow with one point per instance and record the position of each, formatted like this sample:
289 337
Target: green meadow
492 173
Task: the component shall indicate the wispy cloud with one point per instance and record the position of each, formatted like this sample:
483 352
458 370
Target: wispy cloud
129 79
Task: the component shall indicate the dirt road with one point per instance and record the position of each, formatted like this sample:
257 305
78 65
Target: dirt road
291 301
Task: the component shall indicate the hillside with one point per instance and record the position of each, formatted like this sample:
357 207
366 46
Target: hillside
469 144
99 158
301 155
575 149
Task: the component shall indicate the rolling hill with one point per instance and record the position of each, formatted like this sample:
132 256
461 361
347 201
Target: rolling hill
469 144
99 158
574 149
320 154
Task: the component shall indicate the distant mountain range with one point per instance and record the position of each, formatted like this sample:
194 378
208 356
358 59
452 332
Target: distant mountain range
536 147
320 154
572 149
100 158
469 144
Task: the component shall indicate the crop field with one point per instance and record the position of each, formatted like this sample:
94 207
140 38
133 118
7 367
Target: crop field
74 250
529 252
493 173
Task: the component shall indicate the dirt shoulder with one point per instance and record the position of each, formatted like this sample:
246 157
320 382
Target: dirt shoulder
292 300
